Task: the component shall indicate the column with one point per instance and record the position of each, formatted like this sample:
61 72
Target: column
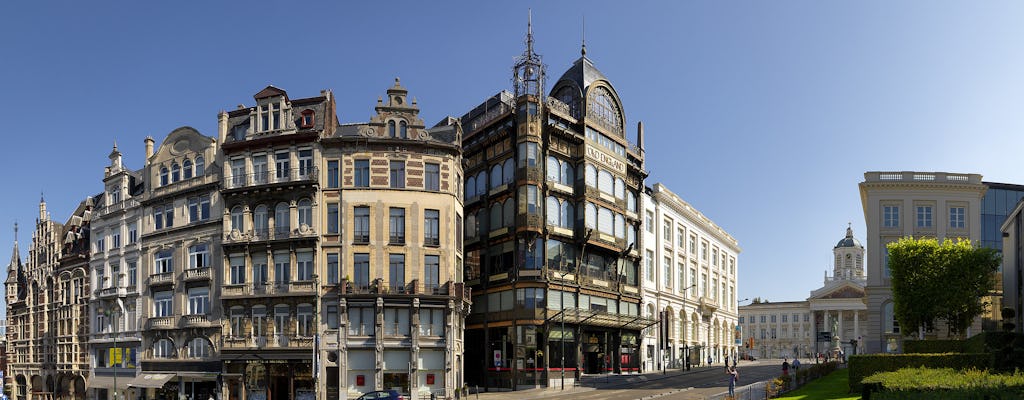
856 330
841 315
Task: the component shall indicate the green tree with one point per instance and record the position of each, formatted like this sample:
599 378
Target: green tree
932 281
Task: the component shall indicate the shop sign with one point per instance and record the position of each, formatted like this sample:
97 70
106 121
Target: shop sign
430 379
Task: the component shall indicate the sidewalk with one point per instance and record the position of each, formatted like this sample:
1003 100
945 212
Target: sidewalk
594 382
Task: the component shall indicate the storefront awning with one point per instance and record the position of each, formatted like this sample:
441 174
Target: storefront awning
104 382
579 316
149 380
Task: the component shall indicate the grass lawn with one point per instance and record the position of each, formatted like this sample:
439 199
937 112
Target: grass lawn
833 387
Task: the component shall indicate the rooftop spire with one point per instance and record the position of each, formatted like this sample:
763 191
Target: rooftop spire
583 48
529 31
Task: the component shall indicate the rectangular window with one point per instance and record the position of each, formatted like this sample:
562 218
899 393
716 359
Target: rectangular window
282 268
693 245
333 271
304 315
305 163
956 217
162 304
332 317
360 321
361 269
199 208
924 216
397 174
133 233
332 174
198 256
333 219
259 272
133 273
361 225
163 216
238 172
163 262
431 322
431 272
260 169
396 225
396 272
650 222
237 270
304 266
649 270
432 177
891 216
666 231
680 235
362 173
100 246
282 163
115 240
199 301
431 228
667 265
785 318
704 251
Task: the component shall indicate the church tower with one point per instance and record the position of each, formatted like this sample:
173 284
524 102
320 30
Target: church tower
849 258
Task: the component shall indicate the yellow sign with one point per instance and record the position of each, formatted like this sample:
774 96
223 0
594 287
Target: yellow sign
116 356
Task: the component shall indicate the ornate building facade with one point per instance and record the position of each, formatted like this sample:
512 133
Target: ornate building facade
552 208
690 273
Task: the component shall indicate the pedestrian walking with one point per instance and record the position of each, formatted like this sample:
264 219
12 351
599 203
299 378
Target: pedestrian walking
785 366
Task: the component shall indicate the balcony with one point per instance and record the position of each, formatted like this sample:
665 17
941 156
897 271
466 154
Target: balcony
179 186
162 278
196 321
261 178
111 292
297 288
280 233
197 274
708 305
121 205
267 342
168 322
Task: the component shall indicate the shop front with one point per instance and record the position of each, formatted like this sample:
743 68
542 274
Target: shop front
272 379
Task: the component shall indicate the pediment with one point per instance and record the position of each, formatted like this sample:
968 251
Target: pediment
846 290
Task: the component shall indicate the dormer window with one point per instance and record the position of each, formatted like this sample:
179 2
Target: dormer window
238 132
403 130
391 128
307 119
270 116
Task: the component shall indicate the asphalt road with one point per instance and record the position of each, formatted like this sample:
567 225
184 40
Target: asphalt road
698 383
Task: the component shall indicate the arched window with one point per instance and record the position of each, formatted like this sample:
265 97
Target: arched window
281 219
620 226
403 130
567 214
605 221
508 212
481 221
471 187
508 171
261 220
553 169
237 220
186 169
200 166
591 176
620 189
496 215
175 172
305 213
554 216
471 228
481 183
590 221
630 201
163 348
568 174
391 128
605 182
163 176
495 176
199 348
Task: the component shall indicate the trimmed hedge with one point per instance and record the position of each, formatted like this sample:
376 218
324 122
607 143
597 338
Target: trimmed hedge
862 366
944 383
933 346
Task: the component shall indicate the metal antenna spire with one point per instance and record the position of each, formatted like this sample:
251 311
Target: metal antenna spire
529 31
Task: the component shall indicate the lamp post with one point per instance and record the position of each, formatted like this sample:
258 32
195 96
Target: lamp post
686 352
110 311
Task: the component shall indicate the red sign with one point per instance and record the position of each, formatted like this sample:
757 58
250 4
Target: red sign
430 379
360 380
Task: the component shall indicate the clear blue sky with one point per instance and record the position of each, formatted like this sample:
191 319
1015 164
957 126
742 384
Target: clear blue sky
763 115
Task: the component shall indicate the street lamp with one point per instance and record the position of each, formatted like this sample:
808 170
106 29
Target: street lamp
110 312
686 347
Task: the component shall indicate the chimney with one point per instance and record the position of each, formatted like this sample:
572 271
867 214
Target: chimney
149 148
222 127
640 140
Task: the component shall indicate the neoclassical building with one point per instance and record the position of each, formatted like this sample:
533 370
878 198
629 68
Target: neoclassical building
832 319
552 208
178 310
114 273
690 276
392 242
920 204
